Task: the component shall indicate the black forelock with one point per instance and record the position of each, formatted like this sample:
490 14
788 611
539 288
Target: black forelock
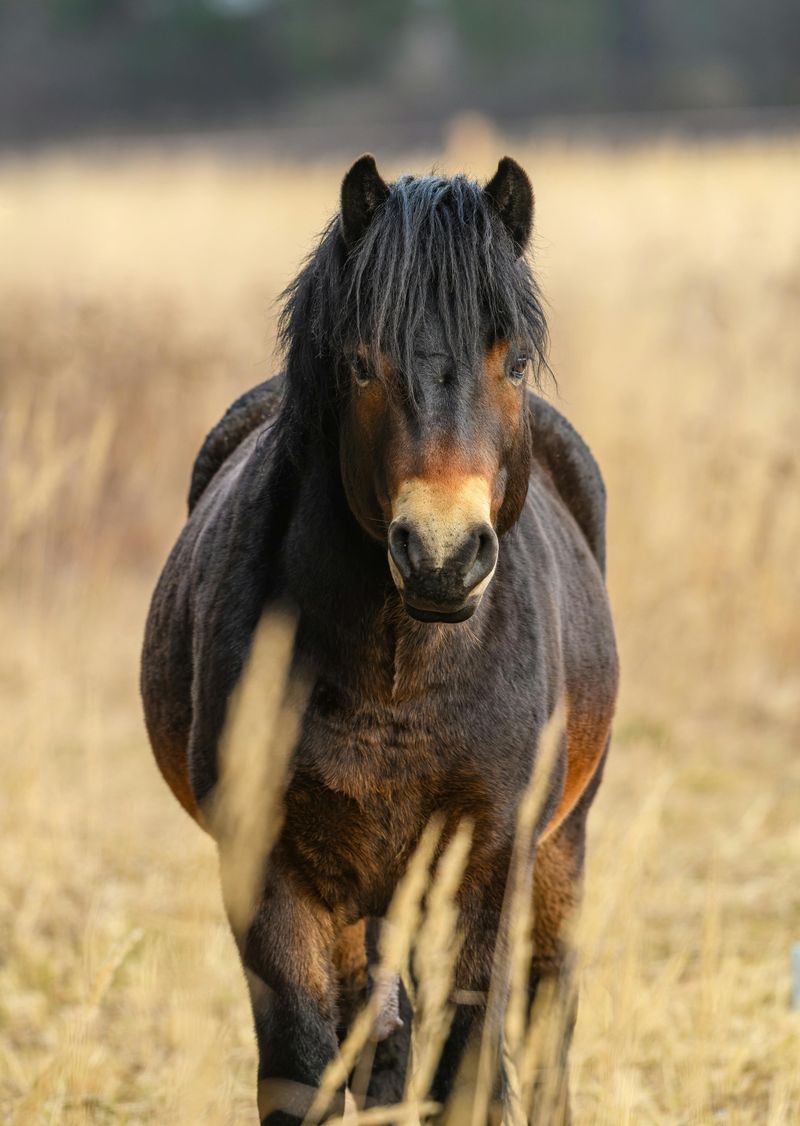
435 246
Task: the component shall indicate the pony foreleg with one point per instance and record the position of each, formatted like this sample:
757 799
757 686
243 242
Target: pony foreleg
290 975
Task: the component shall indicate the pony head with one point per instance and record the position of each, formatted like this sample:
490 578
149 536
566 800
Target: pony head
418 324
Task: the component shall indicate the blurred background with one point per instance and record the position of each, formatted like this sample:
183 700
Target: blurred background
326 73
164 169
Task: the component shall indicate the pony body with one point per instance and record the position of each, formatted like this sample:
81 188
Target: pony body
434 659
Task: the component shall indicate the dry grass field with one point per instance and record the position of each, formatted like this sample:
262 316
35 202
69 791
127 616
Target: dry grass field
136 300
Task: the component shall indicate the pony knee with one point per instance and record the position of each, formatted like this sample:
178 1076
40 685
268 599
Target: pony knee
288 945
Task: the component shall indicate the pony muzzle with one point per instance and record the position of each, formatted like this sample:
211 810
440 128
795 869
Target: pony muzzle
442 546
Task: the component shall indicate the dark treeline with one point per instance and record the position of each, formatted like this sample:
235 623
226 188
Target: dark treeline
70 66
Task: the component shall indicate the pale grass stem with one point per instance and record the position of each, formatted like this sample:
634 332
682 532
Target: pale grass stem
436 953
256 745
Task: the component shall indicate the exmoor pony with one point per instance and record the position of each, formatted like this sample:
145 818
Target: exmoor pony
436 530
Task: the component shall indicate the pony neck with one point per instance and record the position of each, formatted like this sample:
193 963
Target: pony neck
333 567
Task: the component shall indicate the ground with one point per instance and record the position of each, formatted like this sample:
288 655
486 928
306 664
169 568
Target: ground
136 300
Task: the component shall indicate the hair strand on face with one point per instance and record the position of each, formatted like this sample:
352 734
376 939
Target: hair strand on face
435 247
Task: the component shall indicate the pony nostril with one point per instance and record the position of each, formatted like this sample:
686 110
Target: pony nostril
399 539
487 544
470 556
415 550
485 556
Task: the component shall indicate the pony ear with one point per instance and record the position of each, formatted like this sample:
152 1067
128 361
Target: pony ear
511 195
363 191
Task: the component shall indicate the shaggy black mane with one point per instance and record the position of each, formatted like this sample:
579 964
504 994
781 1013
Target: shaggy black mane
435 247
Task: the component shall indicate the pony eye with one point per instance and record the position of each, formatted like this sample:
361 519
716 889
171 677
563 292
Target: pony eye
519 368
362 372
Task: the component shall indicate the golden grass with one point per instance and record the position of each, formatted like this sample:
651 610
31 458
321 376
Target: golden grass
136 299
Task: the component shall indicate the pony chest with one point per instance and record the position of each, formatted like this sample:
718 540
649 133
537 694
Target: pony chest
424 708
379 749
375 748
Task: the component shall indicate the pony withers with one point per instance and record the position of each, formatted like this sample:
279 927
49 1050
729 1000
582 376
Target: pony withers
436 531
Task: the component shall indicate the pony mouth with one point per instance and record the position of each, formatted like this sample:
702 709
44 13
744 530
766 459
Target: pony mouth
422 610
428 613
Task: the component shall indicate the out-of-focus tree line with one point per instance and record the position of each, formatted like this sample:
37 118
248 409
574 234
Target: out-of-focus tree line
72 65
